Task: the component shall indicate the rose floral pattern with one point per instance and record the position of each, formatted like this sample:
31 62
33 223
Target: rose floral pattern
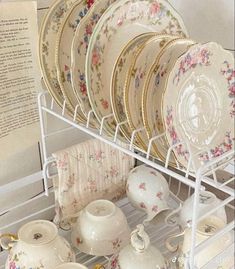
63 51
142 205
212 78
174 136
158 15
220 149
229 73
116 244
136 83
80 45
142 186
200 57
153 94
16 260
114 263
119 78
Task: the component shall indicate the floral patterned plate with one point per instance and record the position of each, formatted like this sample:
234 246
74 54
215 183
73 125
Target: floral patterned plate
124 20
47 40
135 80
156 82
79 51
198 104
120 71
63 51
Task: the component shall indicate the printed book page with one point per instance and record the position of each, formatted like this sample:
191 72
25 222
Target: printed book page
19 77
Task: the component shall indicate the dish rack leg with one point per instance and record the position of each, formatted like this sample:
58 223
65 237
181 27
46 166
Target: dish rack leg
41 103
194 219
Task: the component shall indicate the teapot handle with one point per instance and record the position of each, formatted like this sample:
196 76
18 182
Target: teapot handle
169 219
12 237
140 239
169 245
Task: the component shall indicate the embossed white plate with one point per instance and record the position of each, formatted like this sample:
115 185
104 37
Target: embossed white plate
124 20
198 104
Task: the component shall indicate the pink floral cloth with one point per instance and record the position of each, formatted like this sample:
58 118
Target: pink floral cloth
88 171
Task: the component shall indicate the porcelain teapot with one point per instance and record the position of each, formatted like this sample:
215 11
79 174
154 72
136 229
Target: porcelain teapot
183 214
139 254
206 228
37 245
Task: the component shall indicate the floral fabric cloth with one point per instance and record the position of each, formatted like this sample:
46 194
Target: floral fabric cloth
88 171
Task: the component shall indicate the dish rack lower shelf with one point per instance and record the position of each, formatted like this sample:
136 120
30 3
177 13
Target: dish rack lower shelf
158 232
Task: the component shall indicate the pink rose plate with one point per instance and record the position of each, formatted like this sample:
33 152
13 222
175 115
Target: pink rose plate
198 104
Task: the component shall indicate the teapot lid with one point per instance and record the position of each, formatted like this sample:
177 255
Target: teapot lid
139 254
38 232
140 239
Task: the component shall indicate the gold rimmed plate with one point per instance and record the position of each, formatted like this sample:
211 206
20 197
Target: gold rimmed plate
47 39
134 84
79 48
120 71
63 53
123 21
153 93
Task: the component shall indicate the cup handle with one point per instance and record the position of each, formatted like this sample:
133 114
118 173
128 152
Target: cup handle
12 237
168 219
140 239
168 244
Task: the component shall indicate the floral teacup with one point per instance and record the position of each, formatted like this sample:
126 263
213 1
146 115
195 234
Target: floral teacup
148 191
37 245
101 229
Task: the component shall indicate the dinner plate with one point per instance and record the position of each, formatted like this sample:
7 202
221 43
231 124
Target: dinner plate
153 93
63 52
47 40
120 72
134 84
124 20
79 51
198 104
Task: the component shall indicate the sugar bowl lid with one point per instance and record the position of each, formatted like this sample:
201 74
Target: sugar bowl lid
139 254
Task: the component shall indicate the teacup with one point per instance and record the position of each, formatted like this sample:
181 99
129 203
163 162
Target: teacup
206 228
148 191
139 254
207 201
37 245
101 229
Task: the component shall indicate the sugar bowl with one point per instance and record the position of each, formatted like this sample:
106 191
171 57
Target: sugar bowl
37 245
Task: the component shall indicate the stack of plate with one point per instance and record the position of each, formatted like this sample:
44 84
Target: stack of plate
131 62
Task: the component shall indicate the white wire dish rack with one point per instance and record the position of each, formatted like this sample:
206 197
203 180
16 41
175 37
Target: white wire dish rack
181 181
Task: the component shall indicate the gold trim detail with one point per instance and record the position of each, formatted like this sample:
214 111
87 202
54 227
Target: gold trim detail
145 92
12 237
163 44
